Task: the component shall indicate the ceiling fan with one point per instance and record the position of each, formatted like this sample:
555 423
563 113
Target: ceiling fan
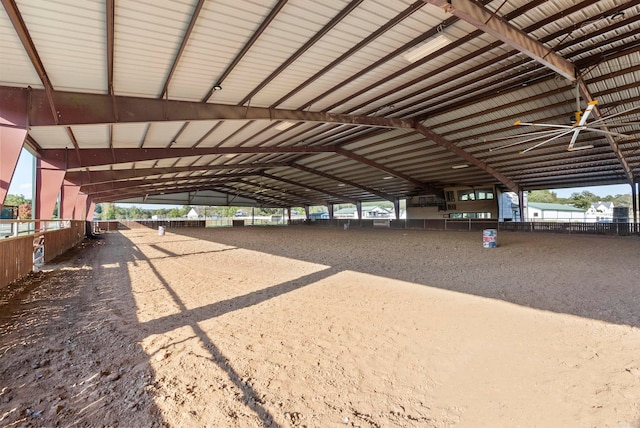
558 131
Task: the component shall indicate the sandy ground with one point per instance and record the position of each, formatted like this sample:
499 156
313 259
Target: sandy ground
308 327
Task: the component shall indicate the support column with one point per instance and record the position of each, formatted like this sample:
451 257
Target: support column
11 141
307 214
49 178
80 208
522 207
634 206
68 195
359 209
330 209
396 207
91 207
289 214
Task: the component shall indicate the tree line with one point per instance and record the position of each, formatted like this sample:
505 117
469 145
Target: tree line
582 200
112 211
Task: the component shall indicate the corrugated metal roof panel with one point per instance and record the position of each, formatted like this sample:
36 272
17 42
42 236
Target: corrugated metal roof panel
91 137
128 134
147 37
161 134
71 43
15 68
51 137
220 33
468 108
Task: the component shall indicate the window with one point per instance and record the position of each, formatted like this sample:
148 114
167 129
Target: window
475 194
470 215
484 194
466 195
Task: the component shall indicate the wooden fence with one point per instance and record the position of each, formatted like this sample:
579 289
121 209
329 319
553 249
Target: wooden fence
17 253
621 229
427 224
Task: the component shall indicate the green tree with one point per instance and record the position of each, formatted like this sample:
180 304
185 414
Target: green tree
543 196
108 211
134 212
16 200
178 212
583 199
621 200
23 204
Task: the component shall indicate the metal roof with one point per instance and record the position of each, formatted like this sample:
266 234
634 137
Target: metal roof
299 102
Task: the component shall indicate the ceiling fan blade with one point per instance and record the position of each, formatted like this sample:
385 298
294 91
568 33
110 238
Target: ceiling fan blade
612 125
575 149
527 140
573 139
611 116
602 131
546 141
548 125
548 132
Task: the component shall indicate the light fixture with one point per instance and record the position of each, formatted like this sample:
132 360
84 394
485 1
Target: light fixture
283 126
341 185
575 148
217 87
430 47
460 166
388 177
230 155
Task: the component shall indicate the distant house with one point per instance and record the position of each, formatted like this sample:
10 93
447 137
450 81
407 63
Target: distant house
599 211
542 211
367 213
195 213
319 216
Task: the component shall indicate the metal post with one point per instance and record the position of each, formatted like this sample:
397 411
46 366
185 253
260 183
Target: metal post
634 206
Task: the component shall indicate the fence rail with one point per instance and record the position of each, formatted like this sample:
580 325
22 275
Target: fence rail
13 228
426 224
46 239
473 224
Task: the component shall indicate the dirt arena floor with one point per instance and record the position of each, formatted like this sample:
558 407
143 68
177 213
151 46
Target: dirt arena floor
311 327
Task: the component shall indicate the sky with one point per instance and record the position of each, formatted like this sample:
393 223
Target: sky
21 184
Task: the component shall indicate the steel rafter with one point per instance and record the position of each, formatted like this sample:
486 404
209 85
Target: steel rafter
492 24
77 108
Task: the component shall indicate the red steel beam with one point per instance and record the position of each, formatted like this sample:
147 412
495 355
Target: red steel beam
99 157
150 184
77 108
97 177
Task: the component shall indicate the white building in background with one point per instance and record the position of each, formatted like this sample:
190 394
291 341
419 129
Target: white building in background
541 211
509 206
600 211
509 210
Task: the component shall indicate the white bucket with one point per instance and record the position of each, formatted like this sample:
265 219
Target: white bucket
160 230
489 238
